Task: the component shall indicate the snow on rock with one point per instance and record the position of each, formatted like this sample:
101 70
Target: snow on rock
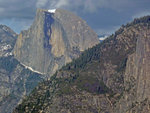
52 10
30 68
5 47
102 38
8 54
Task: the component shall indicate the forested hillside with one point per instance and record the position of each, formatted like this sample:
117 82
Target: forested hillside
101 79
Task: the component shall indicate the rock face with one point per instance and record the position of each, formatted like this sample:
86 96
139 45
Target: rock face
143 66
7 40
53 40
137 76
112 77
138 66
7 35
15 80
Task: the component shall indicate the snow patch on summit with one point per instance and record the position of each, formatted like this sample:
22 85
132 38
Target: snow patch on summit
52 10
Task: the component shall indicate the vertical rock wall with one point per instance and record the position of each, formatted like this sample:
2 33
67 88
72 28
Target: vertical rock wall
53 40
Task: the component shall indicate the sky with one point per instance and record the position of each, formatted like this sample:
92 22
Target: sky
103 16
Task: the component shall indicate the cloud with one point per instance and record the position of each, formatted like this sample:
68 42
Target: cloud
17 24
62 3
141 14
24 10
17 9
41 3
89 5
107 31
1 10
84 5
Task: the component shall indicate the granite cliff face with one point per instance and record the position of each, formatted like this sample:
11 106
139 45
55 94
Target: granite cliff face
53 40
140 66
136 96
112 77
143 66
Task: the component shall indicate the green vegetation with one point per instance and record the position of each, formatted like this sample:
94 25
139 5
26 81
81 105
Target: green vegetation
32 81
94 53
91 84
86 57
143 20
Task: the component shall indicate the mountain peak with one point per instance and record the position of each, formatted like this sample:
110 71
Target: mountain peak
53 40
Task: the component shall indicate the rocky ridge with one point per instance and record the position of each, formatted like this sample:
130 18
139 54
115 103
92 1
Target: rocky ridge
111 77
7 40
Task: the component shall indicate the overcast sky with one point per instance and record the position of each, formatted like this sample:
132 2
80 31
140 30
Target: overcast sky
104 16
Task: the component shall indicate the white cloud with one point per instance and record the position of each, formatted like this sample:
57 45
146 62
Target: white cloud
141 14
107 31
25 9
41 3
89 5
62 3
17 24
